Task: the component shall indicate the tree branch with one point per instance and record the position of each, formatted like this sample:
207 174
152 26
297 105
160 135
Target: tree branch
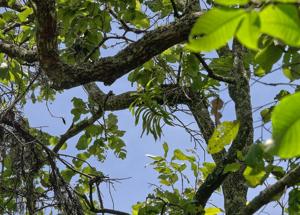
108 69
266 196
15 51
171 95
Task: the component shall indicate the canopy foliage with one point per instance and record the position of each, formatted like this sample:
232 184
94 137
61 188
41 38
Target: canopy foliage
180 56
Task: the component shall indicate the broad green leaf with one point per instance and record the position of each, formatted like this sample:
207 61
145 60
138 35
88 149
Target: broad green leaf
223 135
68 174
24 14
141 20
267 57
254 157
266 115
281 21
214 29
231 2
136 208
294 202
291 66
207 169
212 211
233 167
83 142
178 167
254 176
286 127
249 31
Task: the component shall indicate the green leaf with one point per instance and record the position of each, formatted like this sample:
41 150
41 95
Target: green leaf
166 149
223 135
207 169
155 157
267 57
213 29
253 176
286 127
266 115
281 21
68 174
249 31
178 167
291 66
233 167
212 211
231 2
294 202
24 14
136 208
282 94
179 155
83 142
254 157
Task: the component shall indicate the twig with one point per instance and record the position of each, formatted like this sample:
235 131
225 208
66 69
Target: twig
210 72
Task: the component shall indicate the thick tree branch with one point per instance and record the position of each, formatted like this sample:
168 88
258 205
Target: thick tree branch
240 93
108 69
15 51
266 196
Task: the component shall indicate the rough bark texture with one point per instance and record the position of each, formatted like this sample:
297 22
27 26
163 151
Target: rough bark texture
234 187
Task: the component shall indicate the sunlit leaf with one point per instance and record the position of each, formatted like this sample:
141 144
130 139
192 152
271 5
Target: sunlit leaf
286 127
214 29
223 135
249 31
253 176
212 211
25 13
281 21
